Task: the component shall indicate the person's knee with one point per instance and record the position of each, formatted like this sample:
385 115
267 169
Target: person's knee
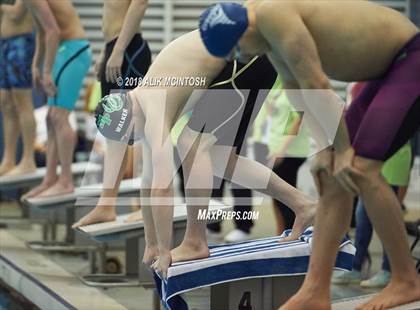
7 104
331 189
191 142
369 172
57 118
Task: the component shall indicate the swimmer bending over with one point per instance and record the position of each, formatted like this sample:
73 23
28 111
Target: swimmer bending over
153 116
307 42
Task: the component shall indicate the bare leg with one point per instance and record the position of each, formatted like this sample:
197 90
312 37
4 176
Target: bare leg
113 174
10 131
384 211
251 174
65 139
331 223
22 99
50 177
198 175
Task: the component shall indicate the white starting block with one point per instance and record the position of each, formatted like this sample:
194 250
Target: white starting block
136 272
22 183
88 195
256 274
28 180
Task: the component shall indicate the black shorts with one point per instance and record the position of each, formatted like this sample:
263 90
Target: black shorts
137 60
228 114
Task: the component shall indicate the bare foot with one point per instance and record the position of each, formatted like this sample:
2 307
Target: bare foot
187 251
395 294
99 214
38 189
162 264
302 221
150 255
5 168
22 168
57 189
135 216
302 301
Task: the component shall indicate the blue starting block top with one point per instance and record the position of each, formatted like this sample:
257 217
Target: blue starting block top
244 260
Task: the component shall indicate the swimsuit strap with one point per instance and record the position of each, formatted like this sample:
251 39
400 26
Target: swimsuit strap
234 73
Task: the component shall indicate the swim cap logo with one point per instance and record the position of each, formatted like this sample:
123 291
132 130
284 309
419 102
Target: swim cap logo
112 103
216 16
103 120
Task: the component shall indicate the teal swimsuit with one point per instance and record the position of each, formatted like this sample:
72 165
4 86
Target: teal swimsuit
71 65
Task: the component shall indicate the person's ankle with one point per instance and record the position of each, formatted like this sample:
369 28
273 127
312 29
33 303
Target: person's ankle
50 180
65 182
8 163
315 287
195 243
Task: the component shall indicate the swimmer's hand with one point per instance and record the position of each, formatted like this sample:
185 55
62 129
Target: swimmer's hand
36 78
113 66
323 162
162 264
48 84
344 170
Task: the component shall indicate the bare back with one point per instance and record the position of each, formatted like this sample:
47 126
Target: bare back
114 12
14 20
355 39
183 57
67 19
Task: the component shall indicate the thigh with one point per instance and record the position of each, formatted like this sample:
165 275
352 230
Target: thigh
19 54
69 71
3 77
137 60
22 99
393 116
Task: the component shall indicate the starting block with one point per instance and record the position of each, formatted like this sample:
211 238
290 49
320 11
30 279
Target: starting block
30 179
255 274
89 195
136 272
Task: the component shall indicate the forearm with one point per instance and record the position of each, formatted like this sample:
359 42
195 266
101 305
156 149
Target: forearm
342 138
52 39
162 211
48 30
302 104
39 50
131 24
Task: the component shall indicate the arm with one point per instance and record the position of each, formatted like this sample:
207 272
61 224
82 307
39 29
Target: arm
291 40
131 24
162 202
51 32
38 56
145 194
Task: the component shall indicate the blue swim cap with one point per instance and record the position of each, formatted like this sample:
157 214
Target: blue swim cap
221 27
